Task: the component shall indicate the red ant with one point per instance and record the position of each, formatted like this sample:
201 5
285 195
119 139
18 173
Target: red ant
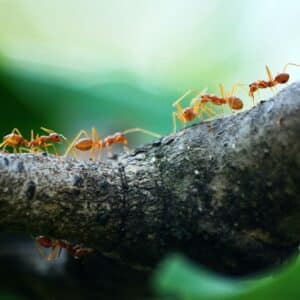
14 139
44 141
189 113
281 78
77 251
234 102
197 105
94 143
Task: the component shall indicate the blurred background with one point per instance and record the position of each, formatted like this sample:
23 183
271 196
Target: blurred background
71 65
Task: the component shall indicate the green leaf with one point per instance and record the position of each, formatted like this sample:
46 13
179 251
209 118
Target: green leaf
180 278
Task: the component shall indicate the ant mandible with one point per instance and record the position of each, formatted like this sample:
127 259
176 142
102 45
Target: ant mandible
44 141
280 78
14 139
77 251
93 143
189 113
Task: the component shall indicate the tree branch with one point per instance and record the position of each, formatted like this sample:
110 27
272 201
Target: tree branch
225 192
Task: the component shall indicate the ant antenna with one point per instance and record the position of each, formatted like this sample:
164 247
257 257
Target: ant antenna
142 130
183 96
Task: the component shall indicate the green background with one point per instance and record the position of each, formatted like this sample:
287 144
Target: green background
71 65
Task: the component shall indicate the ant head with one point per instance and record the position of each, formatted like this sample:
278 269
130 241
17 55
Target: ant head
235 102
120 138
44 241
282 78
55 137
204 96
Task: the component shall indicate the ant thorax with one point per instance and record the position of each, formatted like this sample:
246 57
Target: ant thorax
188 114
114 139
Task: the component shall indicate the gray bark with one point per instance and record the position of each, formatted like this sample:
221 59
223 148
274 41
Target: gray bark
224 192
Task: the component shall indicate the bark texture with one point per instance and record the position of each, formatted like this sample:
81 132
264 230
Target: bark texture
224 192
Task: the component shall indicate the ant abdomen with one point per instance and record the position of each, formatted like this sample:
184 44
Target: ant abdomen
282 78
235 103
84 144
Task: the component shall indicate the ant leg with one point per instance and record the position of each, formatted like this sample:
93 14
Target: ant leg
207 110
24 150
109 150
41 253
200 112
54 253
210 113
17 131
92 154
2 144
81 132
46 148
182 121
222 110
253 102
174 122
96 142
59 252
35 150
5 146
99 155
126 148
74 153
54 149
235 87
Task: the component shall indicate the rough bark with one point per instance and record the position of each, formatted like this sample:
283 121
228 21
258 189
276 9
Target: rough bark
224 192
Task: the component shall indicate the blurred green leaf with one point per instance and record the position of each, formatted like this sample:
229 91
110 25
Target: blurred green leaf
180 278
8 296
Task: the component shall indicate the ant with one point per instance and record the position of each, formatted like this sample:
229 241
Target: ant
94 143
234 102
14 139
44 141
77 251
280 78
189 113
